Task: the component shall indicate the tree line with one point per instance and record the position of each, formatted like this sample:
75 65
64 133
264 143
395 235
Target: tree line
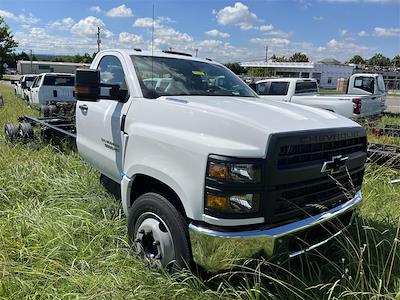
377 60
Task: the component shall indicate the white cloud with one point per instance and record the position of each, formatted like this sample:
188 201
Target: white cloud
63 24
38 33
318 18
88 27
217 33
237 15
362 33
279 33
266 27
21 18
95 9
343 32
275 42
348 47
120 11
146 23
171 38
210 43
386 32
125 37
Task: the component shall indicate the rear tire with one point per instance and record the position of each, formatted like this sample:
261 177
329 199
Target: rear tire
44 110
159 233
11 133
26 133
52 110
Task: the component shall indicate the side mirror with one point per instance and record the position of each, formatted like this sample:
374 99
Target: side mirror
87 84
23 84
13 82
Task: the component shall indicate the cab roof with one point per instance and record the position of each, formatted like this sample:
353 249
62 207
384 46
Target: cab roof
158 53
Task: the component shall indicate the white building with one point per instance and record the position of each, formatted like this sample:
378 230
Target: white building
326 71
37 67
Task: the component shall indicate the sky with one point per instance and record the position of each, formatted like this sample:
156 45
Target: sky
226 31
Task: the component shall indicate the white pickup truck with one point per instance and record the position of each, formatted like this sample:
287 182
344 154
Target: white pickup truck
52 87
207 171
22 85
365 94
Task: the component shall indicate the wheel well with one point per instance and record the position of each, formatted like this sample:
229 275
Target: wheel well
144 184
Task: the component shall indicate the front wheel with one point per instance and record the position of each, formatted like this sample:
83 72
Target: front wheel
159 232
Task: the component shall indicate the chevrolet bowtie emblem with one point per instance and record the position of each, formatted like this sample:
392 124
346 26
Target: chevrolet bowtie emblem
335 165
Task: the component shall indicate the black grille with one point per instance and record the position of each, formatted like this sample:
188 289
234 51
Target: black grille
312 197
295 185
290 155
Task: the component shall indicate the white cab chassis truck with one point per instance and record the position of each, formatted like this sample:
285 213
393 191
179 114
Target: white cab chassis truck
365 94
207 171
49 88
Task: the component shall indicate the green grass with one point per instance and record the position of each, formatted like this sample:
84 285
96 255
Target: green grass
385 120
63 236
10 77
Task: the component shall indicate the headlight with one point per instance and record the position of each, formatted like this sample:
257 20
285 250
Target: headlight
234 172
246 203
234 187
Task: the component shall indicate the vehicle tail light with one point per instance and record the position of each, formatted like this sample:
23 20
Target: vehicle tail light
356 106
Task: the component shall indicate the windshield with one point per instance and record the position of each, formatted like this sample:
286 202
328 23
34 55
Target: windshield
163 76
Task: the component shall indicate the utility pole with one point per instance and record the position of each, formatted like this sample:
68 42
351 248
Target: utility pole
30 51
98 39
266 53
196 51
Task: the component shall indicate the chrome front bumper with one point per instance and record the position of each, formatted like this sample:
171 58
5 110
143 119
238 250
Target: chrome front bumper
221 250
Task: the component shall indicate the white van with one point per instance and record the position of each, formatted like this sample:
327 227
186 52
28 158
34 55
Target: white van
52 87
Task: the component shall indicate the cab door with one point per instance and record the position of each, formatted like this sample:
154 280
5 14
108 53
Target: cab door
100 136
34 90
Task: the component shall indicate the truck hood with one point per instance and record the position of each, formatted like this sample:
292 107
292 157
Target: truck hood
271 116
231 126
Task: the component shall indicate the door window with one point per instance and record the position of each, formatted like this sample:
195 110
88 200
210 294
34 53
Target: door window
111 71
36 82
381 84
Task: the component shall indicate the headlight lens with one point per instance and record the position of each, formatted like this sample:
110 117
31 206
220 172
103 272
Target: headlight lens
246 203
232 172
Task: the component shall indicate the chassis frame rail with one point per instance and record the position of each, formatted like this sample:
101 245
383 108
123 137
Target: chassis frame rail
387 155
56 124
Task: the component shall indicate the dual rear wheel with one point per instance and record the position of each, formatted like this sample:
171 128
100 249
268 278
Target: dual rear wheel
21 133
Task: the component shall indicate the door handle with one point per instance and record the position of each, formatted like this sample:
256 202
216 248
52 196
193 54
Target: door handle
83 107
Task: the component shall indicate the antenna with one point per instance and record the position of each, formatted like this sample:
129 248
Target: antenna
266 53
152 52
98 39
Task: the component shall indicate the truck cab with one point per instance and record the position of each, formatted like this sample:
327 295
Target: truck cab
52 87
202 164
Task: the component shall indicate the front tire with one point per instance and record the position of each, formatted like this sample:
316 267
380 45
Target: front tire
159 232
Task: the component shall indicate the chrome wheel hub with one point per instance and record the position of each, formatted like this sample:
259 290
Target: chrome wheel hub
154 242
